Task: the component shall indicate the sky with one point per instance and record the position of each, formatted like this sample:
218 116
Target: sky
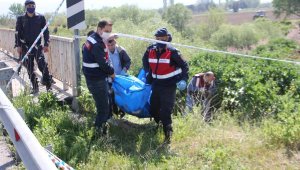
50 5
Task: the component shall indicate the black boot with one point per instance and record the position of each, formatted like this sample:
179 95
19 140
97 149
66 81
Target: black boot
47 82
101 131
105 127
168 130
35 87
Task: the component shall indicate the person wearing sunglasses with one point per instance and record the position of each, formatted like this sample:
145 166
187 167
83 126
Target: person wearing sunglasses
118 57
28 27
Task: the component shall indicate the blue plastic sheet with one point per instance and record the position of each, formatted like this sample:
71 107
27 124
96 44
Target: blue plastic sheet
132 95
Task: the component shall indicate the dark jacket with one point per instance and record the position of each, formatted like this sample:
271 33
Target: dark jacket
176 60
28 29
124 58
94 53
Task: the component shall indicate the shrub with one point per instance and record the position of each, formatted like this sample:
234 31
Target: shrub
248 86
178 16
267 29
277 48
284 129
245 35
214 21
234 36
226 37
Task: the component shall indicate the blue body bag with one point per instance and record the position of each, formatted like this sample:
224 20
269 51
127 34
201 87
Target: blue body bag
132 95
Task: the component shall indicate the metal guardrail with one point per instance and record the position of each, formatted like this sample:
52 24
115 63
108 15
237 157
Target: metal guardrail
29 149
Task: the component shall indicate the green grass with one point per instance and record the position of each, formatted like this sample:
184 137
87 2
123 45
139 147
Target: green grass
134 143
222 145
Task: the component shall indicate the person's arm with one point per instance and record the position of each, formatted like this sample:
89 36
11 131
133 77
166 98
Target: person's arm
146 61
125 59
46 33
18 32
177 59
213 89
147 68
99 54
18 35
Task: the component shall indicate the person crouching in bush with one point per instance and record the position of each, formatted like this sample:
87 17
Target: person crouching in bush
202 90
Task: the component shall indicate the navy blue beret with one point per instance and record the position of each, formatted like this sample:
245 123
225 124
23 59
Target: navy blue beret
29 2
161 32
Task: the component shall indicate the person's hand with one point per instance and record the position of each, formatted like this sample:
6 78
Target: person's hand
46 49
19 50
124 72
181 85
113 76
202 90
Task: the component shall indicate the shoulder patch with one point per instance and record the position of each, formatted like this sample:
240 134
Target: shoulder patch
92 40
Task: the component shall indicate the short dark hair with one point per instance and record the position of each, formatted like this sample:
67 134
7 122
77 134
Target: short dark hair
90 33
103 23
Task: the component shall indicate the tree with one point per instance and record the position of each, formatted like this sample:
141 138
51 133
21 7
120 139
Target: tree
249 3
287 7
16 9
178 16
214 21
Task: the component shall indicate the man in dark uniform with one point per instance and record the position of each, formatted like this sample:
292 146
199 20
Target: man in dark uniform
28 27
166 68
97 70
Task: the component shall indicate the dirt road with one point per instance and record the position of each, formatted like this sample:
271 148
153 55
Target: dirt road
239 17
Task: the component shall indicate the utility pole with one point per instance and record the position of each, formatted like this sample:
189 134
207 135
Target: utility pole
171 2
165 5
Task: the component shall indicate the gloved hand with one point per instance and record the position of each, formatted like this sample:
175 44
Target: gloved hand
181 85
202 90
124 72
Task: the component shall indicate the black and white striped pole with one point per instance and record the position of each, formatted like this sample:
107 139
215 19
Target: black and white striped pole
76 21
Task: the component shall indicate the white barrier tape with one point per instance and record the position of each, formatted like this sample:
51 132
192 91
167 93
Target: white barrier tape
204 49
197 48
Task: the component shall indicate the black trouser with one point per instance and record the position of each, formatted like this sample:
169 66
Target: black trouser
113 108
162 103
99 90
37 55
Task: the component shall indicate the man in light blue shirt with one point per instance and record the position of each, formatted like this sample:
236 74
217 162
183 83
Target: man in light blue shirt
118 57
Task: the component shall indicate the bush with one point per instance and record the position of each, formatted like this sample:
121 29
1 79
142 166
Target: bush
245 35
277 48
284 129
267 29
178 16
235 36
214 21
250 87
226 37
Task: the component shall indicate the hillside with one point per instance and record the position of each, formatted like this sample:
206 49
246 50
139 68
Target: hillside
239 17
